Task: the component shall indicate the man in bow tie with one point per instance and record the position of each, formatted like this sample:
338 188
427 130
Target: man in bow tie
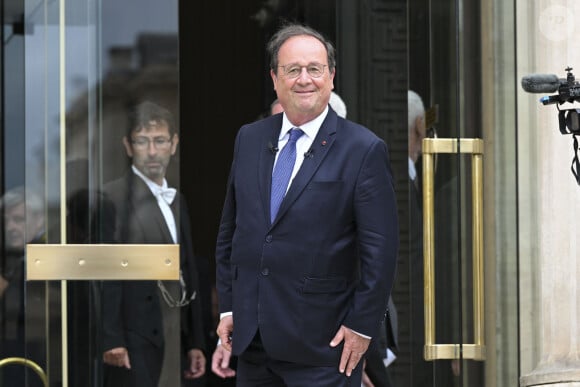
146 322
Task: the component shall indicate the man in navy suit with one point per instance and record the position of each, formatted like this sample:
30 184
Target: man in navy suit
303 284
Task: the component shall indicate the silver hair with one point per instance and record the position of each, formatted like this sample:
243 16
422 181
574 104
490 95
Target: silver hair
337 104
18 195
416 107
290 31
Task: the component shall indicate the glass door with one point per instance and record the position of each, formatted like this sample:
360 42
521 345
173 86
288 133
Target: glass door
462 285
90 88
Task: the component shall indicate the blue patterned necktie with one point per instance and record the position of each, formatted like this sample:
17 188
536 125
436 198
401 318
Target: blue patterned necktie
283 171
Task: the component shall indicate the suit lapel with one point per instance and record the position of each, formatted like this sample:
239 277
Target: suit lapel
265 165
176 209
319 149
148 212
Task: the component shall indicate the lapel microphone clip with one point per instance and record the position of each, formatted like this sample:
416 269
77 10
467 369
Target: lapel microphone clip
272 148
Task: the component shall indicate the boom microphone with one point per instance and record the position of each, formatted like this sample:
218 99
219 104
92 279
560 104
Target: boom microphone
568 90
541 83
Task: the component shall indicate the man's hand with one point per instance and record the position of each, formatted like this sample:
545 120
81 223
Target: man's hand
224 330
196 364
366 381
118 357
455 367
354 348
3 285
220 362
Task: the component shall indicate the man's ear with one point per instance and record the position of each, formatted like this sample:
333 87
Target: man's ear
128 147
418 123
419 128
274 78
174 142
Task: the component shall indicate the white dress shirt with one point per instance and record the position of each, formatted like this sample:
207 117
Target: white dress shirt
303 144
162 203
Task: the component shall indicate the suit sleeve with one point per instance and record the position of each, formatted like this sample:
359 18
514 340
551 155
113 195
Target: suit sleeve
113 328
192 322
377 238
224 240
112 291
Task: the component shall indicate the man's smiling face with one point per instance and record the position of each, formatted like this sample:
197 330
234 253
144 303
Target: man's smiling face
304 97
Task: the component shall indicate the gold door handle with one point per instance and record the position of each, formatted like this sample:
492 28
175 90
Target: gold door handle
431 146
27 363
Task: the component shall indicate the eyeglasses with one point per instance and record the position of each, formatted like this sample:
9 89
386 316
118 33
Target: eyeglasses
158 142
293 70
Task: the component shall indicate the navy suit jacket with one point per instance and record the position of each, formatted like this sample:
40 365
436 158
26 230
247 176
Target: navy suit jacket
327 259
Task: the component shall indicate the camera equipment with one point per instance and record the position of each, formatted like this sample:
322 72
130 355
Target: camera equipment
568 91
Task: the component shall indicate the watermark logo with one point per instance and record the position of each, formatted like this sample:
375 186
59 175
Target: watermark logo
557 23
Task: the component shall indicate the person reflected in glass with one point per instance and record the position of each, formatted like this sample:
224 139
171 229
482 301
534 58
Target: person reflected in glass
23 222
147 322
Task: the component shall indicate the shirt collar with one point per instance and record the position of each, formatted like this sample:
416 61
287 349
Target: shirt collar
412 170
310 128
153 187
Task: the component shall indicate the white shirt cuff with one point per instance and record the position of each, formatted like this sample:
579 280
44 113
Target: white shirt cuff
225 314
360 334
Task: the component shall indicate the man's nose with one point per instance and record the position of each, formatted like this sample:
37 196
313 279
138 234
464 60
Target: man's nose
10 223
304 76
151 149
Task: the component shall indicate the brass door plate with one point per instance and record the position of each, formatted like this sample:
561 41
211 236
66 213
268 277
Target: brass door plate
102 262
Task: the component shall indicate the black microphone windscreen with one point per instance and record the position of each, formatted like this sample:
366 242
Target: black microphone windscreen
541 83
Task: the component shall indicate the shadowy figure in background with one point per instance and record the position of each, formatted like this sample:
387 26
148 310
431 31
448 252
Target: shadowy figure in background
422 373
24 222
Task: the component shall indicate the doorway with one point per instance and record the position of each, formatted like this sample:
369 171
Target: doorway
70 76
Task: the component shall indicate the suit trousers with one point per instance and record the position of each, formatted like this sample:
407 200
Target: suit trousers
257 369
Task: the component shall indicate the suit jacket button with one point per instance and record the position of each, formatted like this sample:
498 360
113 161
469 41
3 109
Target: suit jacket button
265 271
155 332
269 238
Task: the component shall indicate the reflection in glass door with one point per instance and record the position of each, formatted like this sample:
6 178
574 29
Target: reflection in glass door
72 72
22 219
449 53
